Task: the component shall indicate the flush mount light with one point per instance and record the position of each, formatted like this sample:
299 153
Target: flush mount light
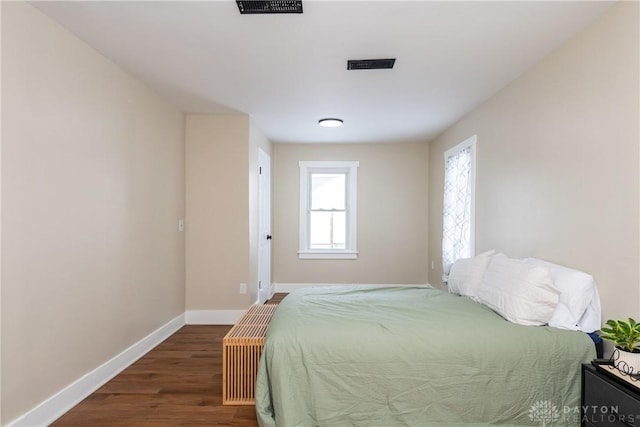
330 122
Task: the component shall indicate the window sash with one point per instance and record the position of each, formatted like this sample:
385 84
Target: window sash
329 202
336 240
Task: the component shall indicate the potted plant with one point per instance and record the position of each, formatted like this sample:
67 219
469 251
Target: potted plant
625 335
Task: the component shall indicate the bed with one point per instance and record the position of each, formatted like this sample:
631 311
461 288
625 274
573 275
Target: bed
416 356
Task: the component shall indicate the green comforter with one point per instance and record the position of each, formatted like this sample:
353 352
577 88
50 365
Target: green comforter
385 356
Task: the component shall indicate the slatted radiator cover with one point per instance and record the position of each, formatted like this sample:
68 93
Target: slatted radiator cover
241 350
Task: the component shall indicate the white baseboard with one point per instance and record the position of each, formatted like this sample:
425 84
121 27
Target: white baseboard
213 317
58 404
288 287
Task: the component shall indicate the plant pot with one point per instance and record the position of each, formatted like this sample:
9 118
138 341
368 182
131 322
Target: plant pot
626 361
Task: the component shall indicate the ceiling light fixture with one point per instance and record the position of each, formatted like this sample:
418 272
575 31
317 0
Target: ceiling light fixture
330 122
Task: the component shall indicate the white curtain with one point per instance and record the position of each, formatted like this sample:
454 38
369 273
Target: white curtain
456 226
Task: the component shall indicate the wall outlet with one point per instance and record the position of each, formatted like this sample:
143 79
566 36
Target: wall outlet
243 288
181 225
433 265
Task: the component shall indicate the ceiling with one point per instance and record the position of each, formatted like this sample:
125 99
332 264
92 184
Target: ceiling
287 71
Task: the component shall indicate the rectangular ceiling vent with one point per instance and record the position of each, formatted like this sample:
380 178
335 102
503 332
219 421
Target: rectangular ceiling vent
269 6
370 64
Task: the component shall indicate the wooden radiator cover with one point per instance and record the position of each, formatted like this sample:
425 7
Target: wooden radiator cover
241 350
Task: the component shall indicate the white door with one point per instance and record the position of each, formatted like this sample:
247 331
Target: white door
264 228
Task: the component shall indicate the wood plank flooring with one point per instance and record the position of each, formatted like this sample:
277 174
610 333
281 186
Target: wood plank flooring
178 383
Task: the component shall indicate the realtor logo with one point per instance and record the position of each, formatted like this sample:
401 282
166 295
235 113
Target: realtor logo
544 412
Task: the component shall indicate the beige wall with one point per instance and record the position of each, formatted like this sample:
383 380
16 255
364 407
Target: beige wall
392 215
92 190
0 219
220 188
558 169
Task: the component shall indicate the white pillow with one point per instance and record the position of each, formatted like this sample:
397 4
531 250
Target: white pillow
591 320
519 292
579 307
466 274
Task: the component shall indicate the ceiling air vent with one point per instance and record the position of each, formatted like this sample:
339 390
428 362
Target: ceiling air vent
269 6
370 64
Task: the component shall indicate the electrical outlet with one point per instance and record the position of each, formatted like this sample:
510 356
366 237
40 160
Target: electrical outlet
433 265
243 288
181 225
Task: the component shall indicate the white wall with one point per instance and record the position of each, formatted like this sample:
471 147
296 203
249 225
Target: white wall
92 190
392 215
558 169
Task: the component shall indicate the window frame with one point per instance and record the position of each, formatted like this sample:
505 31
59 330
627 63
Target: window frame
470 143
350 169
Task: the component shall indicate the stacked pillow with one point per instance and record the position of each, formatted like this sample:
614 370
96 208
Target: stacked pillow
579 305
466 274
519 292
529 291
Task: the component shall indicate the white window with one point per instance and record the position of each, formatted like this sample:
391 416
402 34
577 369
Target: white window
458 227
328 210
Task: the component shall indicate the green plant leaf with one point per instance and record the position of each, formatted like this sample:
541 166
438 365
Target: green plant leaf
625 334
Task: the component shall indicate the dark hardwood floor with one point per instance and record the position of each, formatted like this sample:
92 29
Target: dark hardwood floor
276 298
178 383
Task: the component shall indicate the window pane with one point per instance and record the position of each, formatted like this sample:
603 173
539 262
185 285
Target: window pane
456 230
328 191
327 230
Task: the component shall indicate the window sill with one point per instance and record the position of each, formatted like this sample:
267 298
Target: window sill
328 255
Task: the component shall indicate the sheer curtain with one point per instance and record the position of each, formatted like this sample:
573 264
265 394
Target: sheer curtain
457 206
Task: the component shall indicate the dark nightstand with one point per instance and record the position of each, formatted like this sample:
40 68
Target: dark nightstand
608 400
